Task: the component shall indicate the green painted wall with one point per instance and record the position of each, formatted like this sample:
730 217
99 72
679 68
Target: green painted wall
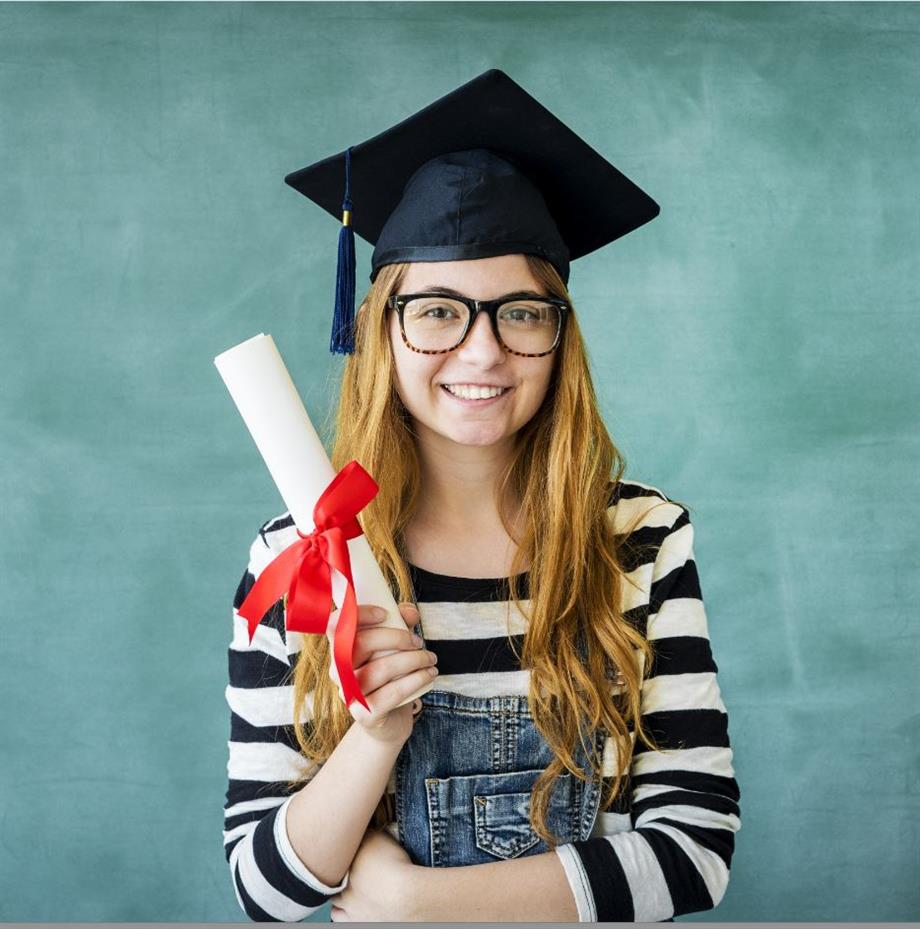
755 350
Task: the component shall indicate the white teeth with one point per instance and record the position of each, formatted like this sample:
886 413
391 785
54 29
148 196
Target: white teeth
468 392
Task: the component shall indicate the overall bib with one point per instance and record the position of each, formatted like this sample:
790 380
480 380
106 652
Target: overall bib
463 781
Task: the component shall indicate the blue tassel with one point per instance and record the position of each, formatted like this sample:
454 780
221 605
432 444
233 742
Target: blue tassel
343 320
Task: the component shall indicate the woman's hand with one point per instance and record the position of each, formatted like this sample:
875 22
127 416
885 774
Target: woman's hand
389 666
379 883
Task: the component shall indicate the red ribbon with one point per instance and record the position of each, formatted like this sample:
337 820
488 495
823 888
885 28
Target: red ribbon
303 571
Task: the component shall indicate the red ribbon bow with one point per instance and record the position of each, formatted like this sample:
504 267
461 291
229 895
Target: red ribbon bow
303 570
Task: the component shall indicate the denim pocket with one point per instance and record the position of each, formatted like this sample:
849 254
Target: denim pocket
483 817
503 824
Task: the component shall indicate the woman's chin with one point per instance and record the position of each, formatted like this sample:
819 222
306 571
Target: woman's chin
482 437
461 433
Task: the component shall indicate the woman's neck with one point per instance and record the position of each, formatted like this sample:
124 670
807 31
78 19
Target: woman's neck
459 484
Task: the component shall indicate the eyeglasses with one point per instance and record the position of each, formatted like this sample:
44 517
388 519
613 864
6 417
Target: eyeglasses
432 323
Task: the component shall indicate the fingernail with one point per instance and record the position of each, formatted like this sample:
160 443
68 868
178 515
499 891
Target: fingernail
379 612
417 639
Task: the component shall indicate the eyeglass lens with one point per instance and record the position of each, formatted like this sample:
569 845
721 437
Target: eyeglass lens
436 323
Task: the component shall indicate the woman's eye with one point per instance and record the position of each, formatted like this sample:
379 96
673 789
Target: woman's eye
531 313
439 309
520 314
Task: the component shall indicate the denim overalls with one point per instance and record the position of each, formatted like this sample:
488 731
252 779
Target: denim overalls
463 781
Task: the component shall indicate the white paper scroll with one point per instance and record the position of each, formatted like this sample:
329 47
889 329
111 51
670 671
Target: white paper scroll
267 399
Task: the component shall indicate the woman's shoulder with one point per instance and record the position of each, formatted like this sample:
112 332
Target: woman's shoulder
633 505
273 537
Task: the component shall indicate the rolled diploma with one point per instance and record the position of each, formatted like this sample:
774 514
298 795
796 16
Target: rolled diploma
267 399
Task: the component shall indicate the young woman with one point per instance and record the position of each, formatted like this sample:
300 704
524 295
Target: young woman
571 761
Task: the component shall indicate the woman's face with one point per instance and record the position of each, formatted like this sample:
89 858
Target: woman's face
479 360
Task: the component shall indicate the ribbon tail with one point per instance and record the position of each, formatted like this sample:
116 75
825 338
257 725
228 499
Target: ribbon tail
310 596
344 648
270 587
344 640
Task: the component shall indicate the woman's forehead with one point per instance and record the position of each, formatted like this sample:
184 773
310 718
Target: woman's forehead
479 277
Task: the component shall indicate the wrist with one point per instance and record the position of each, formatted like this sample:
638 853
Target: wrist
378 745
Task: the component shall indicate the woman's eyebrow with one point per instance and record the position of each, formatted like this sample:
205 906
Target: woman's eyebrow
449 291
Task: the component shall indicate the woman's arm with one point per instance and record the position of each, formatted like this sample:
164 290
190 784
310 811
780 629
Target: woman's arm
671 853
285 850
324 831
532 889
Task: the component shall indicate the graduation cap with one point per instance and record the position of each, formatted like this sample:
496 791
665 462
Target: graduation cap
485 170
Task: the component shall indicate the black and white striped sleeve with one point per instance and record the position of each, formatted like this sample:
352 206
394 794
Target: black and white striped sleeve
271 883
684 798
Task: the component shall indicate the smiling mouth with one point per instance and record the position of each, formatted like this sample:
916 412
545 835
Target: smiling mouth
480 401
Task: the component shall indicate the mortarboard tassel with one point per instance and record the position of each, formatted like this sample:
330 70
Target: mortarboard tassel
343 341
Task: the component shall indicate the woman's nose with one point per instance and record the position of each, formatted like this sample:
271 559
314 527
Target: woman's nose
481 339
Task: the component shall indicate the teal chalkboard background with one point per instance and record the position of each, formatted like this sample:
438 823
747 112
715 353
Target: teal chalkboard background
755 350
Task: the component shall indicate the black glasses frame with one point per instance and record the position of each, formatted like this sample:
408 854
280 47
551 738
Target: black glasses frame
398 302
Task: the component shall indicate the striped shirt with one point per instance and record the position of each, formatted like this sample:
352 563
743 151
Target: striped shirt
663 849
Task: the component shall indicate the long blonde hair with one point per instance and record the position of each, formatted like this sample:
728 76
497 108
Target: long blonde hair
562 470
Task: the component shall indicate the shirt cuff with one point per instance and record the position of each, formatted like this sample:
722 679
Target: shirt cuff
578 882
291 859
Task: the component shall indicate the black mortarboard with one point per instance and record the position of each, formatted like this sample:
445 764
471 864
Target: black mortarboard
485 170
